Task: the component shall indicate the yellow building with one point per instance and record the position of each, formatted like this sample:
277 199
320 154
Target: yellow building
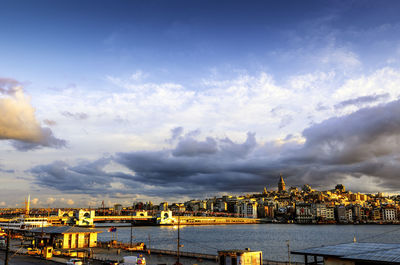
240 257
66 237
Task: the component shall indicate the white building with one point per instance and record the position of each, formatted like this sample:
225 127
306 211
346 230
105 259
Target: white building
221 206
305 213
321 211
389 214
249 209
330 213
349 215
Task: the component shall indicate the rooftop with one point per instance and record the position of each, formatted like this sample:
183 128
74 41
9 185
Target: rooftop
238 251
64 230
373 252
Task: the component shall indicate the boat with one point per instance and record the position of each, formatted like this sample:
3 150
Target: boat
25 223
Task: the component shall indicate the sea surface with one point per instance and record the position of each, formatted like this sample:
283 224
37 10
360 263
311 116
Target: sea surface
272 239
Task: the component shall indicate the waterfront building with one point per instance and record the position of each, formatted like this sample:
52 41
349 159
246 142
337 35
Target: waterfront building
320 211
265 210
376 214
163 206
356 212
389 214
249 209
330 213
221 206
210 205
365 213
117 209
349 215
193 205
281 185
66 237
305 213
246 209
341 214
240 257
202 205
262 210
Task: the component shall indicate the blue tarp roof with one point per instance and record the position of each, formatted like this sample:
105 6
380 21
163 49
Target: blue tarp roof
377 252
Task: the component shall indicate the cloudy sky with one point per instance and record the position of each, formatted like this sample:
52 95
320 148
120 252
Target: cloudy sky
171 100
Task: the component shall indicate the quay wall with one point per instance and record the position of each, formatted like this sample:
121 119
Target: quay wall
183 220
197 220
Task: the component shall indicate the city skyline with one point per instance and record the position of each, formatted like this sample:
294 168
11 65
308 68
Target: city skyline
172 100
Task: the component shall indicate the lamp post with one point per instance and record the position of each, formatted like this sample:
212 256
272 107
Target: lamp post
131 229
179 243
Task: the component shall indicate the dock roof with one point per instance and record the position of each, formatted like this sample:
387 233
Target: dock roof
373 252
64 230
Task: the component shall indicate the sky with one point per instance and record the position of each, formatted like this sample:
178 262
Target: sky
123 101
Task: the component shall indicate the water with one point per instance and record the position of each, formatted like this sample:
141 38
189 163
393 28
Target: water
269 238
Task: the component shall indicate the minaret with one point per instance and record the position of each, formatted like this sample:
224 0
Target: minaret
27 202
281 185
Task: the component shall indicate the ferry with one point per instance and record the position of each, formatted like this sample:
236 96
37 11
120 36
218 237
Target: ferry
25 223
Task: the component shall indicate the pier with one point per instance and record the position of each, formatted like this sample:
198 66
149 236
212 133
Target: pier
184 220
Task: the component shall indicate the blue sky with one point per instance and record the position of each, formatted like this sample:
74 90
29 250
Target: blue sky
136 100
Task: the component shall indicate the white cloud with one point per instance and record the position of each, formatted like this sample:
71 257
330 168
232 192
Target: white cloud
18 120
140 115
139 75
385 80
310 80
340 57
50 200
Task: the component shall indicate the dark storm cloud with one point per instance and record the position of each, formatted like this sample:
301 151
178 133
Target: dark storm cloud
191 147
360 101
76 116
364 143
365 134
86 177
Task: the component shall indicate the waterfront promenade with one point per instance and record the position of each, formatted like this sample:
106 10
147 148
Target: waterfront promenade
271 239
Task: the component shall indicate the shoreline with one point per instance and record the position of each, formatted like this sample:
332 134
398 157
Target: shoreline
261 223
